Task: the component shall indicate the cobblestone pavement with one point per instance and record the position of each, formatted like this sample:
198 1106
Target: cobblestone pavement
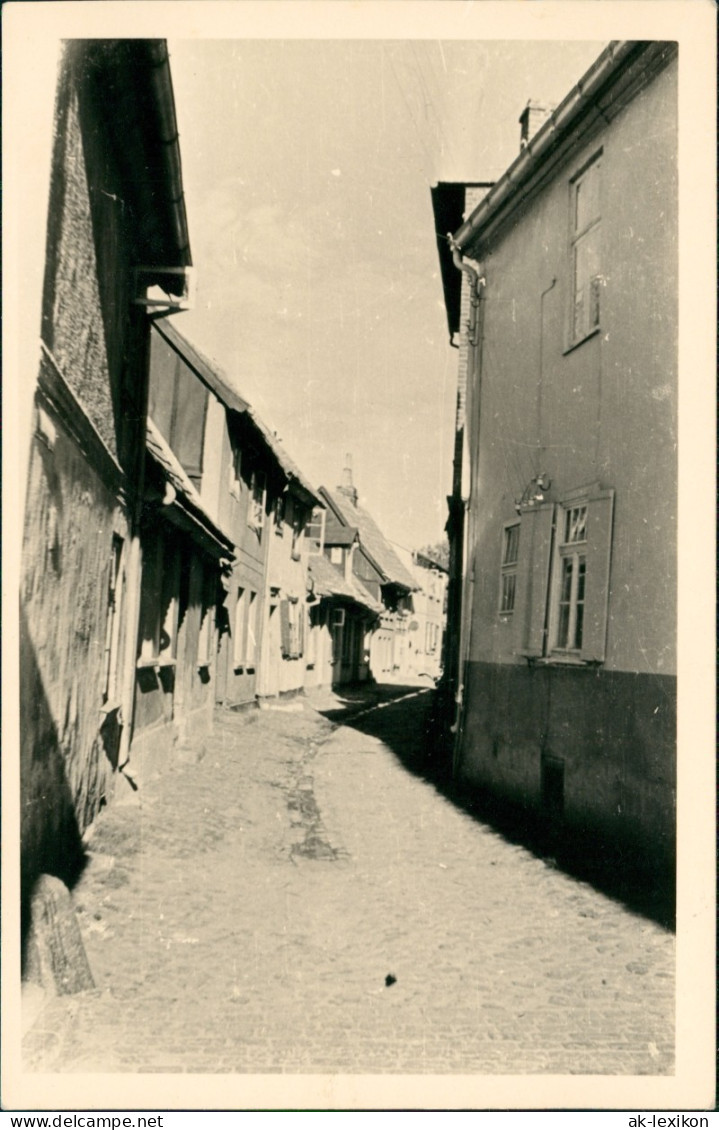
297 901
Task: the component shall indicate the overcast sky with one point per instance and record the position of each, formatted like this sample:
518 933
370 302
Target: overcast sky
307 167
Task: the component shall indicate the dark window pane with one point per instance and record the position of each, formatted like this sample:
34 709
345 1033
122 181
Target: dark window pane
567 566
511 545
189 423
509 584
581 577
163 369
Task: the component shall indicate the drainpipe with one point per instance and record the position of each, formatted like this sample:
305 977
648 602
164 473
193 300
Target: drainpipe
140 356
471 270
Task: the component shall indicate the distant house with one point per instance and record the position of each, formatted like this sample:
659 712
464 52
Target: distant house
117 249
352 530
427 620
291 502
343 613
565 676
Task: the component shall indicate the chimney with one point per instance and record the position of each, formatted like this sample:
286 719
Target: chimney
347 487
532 117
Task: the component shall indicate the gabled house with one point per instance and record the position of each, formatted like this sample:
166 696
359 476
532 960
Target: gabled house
343 613
260 501
428 617
566 676
367 555
117 249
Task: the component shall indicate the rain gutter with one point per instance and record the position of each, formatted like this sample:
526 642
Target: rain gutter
169 142
547 137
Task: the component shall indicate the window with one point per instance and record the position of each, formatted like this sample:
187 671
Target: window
562 577
258 499
159 603
279 514
245 647
235 473
508 574
251 636
316 532
586 252
336 554
114 617
297 534
570 581
292 616
178 405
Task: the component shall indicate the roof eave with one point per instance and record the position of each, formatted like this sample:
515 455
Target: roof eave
510 190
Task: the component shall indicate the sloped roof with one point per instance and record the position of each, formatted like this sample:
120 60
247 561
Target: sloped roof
129 81
328 581
161 452
337 534
372 540
217 380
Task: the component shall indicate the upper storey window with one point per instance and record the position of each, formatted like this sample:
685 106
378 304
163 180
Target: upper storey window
586 252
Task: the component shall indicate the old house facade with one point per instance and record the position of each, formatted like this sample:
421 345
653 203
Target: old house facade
375 650
343 613
259 502
566 672
187 555
116 234
428 618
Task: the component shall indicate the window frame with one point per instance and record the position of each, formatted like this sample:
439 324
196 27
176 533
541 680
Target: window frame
582 236
235 473
113 622
244 654
257 502
166 566
508 568
565 636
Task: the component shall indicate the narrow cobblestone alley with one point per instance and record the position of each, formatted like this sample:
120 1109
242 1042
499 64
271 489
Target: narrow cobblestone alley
292 899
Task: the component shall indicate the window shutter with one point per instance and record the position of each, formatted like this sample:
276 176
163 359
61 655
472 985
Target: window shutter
285 627
535 546
596 598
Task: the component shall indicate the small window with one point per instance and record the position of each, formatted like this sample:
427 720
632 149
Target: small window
159 602
586 274
297 535
238 650
279 514
245 647
508 574
258 501
316 532
251 636
235 473
336 554
114 619
571 580
292 616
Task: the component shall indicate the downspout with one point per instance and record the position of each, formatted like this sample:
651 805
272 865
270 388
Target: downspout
462 496
136 492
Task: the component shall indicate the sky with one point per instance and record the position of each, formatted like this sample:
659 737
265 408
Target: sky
307 167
